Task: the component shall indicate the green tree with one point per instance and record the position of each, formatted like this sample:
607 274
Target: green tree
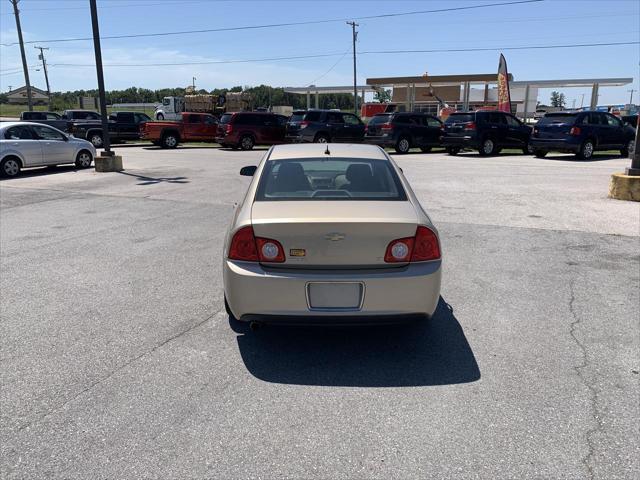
382 95
558 99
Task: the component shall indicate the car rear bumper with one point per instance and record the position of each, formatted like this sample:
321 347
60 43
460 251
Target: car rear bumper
388 294
380 141
461 142
557 144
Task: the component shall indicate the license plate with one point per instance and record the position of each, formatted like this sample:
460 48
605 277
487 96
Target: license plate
335 295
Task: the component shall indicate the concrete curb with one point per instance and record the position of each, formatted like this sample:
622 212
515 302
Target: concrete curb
109 164
624 187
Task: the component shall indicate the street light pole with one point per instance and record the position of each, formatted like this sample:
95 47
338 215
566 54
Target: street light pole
355 77
46 75
631 97
103 98
634 170
16 13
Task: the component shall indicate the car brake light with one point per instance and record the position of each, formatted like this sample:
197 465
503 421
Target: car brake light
387 126
470 126
228 128
304 124
575 131
422 247
249 248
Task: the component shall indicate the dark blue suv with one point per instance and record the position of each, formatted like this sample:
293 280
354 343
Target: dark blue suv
322 126
582 133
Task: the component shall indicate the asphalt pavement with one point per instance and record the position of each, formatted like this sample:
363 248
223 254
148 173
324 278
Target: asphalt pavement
118 360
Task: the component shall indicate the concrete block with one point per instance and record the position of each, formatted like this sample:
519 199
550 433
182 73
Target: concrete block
109 164
624 187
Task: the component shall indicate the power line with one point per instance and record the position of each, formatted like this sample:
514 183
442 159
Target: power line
370 52
29 10
488 49
286 24
330 69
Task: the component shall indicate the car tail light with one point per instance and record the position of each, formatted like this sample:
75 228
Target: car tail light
422 247
270 250
243 245
304 124
575 131
249 248
387 126
470 126
228 128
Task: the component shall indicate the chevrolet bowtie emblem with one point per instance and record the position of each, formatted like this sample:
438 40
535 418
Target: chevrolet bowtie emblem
334 236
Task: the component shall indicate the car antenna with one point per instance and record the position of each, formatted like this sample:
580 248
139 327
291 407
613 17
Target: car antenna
327 152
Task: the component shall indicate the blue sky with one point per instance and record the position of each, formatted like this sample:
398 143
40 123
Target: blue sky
544 23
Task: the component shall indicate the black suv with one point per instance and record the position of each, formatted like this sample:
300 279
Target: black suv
404 131
485 131
581 133
324 126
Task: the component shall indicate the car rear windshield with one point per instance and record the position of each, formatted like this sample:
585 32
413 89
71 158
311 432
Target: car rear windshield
226 118
557 119
460 118
329 179
377 119
297 116
312 116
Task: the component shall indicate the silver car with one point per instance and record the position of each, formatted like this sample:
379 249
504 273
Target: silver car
330 233
29 144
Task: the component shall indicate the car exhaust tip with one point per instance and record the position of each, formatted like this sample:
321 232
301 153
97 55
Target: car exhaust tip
254 326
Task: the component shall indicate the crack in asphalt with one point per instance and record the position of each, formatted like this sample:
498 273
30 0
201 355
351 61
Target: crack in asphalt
593 392
120 368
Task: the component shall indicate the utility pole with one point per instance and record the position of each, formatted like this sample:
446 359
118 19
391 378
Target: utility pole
106 143
631 97
582 101
194 84
355 77
16 13
44 67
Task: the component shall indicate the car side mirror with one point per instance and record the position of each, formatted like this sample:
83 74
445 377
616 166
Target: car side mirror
66 138
248 171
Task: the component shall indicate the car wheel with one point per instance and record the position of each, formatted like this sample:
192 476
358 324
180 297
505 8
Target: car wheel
540 153
96 140
628 149
10 167
586 150
84 159
160 117
453 150
170 140
321 138
425 149
246 142
527 149
488 147
403 145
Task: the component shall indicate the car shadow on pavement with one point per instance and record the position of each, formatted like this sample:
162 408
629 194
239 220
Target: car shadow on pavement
144 180
572 158
431 352
39 171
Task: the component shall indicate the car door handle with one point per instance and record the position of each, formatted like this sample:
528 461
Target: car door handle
15 144
494 127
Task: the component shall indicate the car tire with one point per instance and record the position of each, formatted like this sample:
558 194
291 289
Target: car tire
425 149
170 140
403 145
487 147
84 159
586 150
96 140
321 138
160 117
628 148
247 142
453 150
527 149
540 153
10 167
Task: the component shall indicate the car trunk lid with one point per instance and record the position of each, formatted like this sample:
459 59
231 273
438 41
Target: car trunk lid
334 234
553 127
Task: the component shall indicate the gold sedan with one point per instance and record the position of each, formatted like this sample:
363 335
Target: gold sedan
330 234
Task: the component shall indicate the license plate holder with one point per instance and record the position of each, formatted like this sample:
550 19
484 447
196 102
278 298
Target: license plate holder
335 296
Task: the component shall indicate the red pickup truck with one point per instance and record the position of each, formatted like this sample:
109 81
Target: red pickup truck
194 127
